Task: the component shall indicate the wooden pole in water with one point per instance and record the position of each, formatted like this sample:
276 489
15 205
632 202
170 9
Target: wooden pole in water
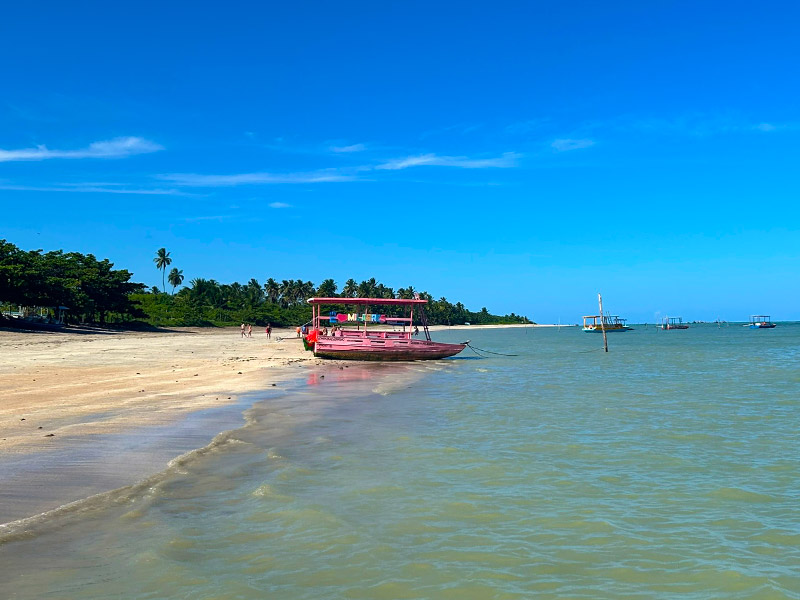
602 322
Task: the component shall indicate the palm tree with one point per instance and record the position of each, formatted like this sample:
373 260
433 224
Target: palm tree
273 290
407 293
367 288
327 289
162 261
234 294
350 289
286 292
306 291
254 293
175 278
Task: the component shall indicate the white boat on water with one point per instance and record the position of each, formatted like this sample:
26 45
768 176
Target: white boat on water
608 322
760 322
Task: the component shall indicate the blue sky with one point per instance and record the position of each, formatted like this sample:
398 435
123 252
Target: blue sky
516 155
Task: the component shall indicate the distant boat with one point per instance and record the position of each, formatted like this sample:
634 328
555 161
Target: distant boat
760 322
608 322
673 323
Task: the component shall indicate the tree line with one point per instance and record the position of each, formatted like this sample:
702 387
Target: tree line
208 302
95 292
91 289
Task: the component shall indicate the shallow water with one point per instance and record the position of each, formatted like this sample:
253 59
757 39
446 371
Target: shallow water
667 467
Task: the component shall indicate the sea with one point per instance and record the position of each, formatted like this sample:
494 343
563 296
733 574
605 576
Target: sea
536 466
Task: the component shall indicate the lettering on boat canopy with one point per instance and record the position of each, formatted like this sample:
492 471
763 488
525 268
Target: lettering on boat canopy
355 318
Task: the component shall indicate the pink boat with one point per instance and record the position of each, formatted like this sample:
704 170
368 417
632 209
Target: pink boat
375 336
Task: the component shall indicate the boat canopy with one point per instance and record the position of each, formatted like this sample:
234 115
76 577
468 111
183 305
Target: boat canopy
364 301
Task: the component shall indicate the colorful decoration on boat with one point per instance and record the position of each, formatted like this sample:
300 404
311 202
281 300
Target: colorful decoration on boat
356 318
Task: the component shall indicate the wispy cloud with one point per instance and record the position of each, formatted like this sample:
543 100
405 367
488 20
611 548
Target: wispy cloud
689 124
508 159
279 205
338 174
91 189
197 180
200 219
117 148
567 144
348 149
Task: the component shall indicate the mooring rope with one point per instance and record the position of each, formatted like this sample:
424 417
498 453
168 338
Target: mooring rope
476 350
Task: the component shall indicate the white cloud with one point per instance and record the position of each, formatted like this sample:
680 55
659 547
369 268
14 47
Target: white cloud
693 124
117 148
196 180
279 205
92 189
347 149
508 159
567 144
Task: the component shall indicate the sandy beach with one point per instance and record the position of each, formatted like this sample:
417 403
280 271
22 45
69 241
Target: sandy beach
57 385
87 412
72 384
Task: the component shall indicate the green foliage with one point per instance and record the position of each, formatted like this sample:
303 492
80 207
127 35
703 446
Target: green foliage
90 288
208 302
94 291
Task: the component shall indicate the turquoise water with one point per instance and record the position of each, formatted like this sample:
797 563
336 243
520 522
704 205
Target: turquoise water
665 468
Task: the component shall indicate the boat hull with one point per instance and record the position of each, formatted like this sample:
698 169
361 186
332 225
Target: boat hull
762 326
383 350
608 329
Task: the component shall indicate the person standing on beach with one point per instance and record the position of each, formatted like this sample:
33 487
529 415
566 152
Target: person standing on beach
298 332
250 330
242 329
269 331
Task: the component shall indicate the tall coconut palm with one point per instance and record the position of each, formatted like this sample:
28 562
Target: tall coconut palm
254 293
407 293
162 261
327 289
305 292
287 291
350 289
175 278
273 290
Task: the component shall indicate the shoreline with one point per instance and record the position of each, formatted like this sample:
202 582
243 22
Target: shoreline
505 326
85 414
73 384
